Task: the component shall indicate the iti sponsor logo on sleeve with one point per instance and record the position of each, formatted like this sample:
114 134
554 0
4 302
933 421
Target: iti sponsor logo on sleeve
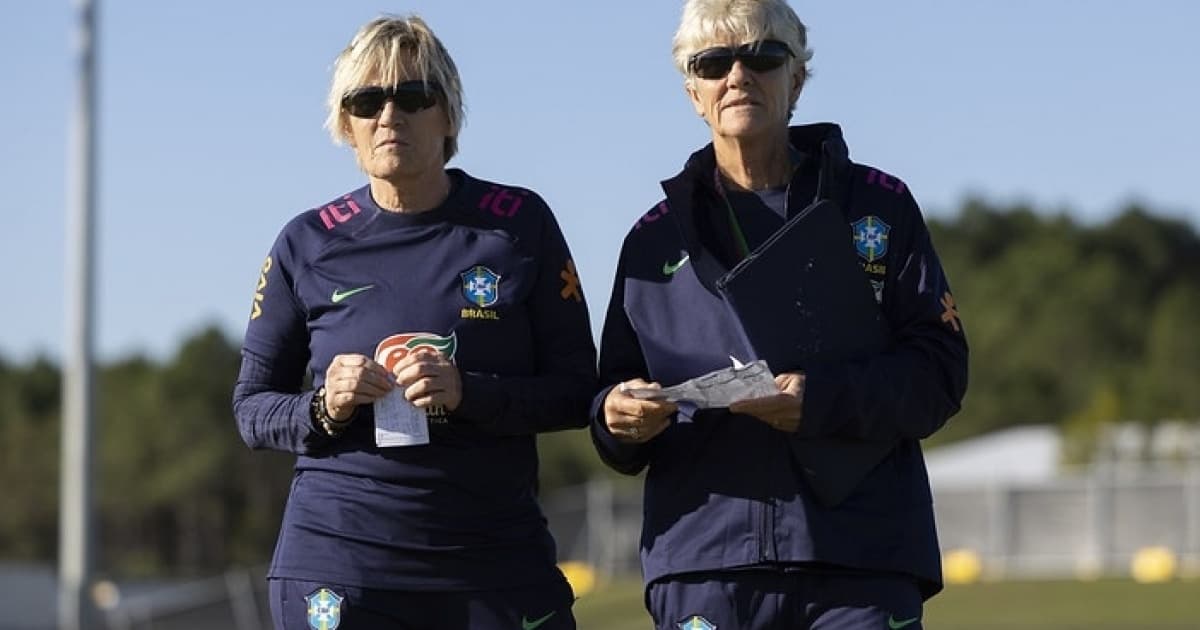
503 202
338 212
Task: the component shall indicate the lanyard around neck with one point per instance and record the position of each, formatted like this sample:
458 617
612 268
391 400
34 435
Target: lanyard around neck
739 236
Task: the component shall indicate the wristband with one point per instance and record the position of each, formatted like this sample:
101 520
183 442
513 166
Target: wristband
321 418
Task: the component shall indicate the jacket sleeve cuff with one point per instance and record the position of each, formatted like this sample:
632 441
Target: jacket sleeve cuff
611 449
483 398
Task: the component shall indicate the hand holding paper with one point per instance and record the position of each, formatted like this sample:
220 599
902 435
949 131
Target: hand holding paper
784 410
720 388
637 419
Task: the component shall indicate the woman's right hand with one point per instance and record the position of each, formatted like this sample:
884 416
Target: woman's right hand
352 380
636 420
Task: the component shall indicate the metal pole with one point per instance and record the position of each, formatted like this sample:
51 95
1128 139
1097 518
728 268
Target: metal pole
75 609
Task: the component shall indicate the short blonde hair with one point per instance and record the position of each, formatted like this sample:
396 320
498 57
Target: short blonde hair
391 49
707 21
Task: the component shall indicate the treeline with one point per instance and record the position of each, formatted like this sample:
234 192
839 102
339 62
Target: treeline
1074 324
176 489
1068 323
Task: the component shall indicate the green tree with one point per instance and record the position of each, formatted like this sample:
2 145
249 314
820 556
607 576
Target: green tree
1166 382
29 451
180 489
1056 312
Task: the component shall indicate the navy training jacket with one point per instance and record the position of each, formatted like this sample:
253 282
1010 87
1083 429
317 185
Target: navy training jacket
723 490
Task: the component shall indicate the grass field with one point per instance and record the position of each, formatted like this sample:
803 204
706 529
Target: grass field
1101 605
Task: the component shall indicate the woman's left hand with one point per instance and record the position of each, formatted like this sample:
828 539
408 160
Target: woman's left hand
429 380
782 411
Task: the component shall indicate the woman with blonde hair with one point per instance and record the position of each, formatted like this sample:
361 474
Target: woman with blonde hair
443 326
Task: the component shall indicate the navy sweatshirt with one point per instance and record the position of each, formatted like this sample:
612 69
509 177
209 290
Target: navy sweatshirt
487 278
723 490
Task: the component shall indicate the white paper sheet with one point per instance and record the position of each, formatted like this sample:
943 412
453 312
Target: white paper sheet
399 422
717 389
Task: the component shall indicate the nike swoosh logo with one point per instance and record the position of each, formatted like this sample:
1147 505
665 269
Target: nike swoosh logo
669 269
339 295
530 625
896 625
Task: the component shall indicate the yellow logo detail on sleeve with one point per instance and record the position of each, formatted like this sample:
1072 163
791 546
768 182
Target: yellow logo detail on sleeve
256 310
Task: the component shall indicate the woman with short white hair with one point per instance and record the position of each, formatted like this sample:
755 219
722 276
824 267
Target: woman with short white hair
808 507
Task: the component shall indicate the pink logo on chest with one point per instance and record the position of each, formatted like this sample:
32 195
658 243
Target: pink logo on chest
885 181
657 213
503 202
339 212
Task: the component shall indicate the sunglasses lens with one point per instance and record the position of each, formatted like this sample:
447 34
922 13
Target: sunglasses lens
364 103
712 64
413 101
767 55
410 97
762 62
762 56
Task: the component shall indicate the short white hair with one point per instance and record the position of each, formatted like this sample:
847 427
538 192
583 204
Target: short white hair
391 49
705 22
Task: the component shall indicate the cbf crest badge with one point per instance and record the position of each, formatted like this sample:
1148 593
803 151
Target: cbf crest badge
481 286
870 237
324 609
696 622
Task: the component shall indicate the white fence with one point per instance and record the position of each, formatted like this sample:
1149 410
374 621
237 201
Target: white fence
236 601
1079 526
1082 526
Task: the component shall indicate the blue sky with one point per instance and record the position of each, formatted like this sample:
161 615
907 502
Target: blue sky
210 128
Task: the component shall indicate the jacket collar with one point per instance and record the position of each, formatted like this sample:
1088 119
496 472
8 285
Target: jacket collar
694 186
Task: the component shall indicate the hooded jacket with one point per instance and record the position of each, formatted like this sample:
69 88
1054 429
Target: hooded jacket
723 490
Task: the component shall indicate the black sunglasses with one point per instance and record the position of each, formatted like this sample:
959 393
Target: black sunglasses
409 96
760 56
